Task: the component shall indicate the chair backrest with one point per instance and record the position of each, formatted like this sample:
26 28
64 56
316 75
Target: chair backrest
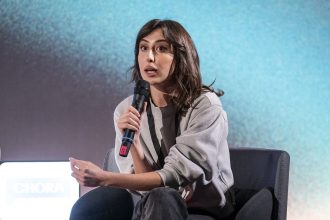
256 168
109 162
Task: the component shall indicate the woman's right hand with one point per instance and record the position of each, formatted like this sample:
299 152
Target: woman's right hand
131 119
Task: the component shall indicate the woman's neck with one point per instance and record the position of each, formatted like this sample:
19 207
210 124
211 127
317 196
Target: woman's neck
159 98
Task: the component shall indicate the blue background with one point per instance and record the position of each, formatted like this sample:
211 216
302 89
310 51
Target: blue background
272 59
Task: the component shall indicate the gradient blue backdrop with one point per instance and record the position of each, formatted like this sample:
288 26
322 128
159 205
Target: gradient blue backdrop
272 59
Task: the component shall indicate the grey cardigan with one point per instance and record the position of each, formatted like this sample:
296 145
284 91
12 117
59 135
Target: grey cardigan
197 161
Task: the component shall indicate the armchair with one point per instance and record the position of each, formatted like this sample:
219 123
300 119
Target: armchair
261 180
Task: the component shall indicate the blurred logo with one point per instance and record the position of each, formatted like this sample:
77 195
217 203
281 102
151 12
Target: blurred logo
37 187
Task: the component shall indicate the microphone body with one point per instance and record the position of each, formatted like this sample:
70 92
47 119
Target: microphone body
141 95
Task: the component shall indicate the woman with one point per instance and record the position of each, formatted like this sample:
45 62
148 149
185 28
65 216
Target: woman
179 156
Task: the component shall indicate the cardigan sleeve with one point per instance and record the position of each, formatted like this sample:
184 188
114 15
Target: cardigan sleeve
125 164
196 154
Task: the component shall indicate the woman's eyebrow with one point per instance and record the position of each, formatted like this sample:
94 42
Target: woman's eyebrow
157 41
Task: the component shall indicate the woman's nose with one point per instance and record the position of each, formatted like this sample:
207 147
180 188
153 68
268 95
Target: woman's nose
151 56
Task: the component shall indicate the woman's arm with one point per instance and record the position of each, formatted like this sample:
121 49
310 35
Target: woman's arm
131 119
201 150
88 174
140 163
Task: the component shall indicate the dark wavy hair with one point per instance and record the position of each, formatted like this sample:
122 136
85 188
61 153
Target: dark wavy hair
186 71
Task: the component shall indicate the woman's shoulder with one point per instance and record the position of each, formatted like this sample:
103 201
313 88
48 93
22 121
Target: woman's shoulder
206 108
207 99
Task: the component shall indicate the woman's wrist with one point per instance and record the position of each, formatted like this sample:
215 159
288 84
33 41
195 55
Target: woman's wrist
106 178
137 151
140 163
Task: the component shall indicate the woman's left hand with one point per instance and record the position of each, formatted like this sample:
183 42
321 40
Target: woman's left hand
87 173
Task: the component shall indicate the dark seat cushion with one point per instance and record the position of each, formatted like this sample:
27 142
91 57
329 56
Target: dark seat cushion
254 205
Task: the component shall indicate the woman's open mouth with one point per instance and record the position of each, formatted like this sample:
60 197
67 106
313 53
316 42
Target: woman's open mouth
150 71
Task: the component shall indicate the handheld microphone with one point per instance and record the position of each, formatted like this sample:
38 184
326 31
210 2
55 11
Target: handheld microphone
141 94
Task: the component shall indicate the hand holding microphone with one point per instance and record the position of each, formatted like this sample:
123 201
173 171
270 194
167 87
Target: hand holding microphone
141 95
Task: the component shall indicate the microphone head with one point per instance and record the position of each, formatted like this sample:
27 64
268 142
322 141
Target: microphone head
142 87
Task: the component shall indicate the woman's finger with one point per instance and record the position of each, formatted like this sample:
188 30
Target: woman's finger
130 121
73 163
76 165
128 125
133 117
134 111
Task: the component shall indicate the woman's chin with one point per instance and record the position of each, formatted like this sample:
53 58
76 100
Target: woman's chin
152 80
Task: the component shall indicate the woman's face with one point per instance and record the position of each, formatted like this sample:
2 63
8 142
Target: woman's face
155 59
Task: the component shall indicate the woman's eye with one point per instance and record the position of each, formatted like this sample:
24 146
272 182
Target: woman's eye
143 48
162 49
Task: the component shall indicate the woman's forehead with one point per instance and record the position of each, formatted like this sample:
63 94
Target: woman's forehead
156 34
